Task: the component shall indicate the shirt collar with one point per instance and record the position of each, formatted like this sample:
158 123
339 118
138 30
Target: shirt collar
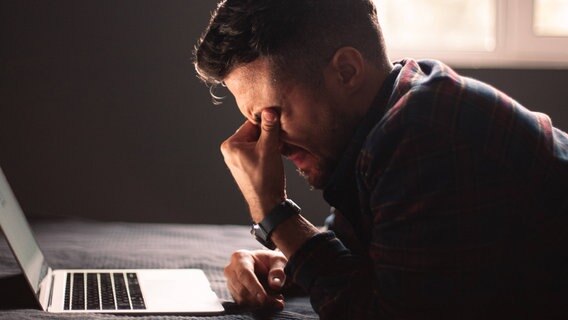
343 176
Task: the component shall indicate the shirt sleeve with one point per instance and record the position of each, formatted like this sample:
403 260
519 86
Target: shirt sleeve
337 281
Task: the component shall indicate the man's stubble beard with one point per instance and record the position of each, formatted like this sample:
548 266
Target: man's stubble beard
342 129
306 177
320 176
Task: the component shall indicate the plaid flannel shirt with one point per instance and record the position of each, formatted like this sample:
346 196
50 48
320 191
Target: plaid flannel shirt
451 200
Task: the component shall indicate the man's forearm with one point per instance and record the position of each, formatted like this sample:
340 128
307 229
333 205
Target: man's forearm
291 234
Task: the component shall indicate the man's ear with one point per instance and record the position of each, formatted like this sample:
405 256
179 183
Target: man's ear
346 70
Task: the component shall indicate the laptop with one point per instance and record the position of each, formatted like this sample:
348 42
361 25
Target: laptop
118 291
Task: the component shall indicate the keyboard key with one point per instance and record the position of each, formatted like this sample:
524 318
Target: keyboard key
121 293
135 292
93 302
107 296
67 301
100 293
78 296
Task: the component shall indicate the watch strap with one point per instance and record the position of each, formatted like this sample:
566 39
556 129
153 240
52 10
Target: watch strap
263 230
281 212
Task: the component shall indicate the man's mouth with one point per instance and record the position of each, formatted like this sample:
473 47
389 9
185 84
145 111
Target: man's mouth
298 159
295 154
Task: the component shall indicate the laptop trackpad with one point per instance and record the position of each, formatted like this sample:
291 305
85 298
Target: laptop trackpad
179 290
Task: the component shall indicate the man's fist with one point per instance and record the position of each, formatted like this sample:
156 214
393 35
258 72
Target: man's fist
256 278
253 156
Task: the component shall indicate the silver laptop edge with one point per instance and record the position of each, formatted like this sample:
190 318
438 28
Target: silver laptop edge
48 284
21 240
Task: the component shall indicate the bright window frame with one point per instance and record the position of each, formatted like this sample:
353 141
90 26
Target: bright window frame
516 44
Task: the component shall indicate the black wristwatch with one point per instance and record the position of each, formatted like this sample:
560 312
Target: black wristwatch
276 216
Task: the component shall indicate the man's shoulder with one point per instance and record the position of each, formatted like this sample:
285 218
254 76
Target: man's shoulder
426 92
430 93
429 97
429 90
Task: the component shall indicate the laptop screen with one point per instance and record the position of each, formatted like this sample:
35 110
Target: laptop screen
15 227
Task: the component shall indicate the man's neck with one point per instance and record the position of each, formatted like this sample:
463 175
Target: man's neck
374 83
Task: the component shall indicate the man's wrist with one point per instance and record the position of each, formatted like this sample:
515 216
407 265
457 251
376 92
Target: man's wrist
291 234
262 230
259 209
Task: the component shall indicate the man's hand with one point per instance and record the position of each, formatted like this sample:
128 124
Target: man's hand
256 278
253 156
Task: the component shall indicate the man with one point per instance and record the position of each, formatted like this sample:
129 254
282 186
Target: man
449 196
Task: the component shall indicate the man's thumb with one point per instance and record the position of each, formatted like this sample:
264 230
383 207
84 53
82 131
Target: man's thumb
270 125
276 279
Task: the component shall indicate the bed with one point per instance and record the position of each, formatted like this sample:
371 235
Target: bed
92 244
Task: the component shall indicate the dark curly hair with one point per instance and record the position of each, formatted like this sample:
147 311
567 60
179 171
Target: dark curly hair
298 36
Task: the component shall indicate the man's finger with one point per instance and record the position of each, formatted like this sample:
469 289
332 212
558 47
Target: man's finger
244 294
270 128
249 281
242 281
248 132
276 280
276 302
276 275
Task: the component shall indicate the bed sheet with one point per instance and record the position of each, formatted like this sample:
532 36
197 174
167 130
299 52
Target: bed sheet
89 244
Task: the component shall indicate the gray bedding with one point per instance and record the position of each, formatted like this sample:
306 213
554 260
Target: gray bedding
81 244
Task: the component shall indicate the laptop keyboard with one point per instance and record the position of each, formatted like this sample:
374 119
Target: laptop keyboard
103 291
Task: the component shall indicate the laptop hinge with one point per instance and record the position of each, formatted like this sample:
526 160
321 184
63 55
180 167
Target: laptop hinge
45 287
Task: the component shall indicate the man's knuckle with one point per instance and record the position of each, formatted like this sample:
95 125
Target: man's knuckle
239 255
242 273
227 270
225 147
278 259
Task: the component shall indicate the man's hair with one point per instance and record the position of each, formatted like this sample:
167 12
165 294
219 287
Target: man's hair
298 36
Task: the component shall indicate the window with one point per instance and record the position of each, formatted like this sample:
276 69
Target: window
551 18
424 24
478 33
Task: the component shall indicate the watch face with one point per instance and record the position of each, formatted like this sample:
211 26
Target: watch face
257 231
261 236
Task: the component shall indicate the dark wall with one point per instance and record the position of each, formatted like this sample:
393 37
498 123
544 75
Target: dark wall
101 115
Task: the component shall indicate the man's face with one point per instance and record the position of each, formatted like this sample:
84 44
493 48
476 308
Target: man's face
314 126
